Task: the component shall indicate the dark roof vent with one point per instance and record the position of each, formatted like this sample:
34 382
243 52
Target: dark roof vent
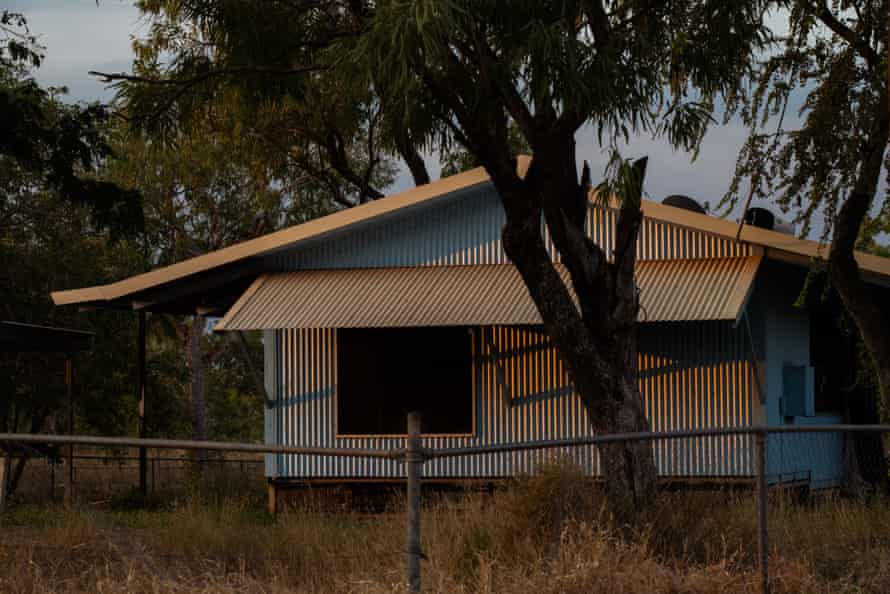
760 217
684 202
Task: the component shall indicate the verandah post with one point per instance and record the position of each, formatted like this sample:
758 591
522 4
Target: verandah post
414 462
140 395
69 471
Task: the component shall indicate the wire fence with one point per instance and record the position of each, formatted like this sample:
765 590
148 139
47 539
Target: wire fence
101 476
810 457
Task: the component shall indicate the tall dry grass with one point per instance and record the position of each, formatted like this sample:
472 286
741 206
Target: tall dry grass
550 534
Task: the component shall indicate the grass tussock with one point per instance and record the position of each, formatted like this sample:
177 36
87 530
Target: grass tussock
551 533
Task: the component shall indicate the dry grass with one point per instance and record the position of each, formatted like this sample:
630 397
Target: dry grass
547 534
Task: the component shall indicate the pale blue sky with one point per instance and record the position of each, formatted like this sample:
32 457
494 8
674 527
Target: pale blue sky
80 36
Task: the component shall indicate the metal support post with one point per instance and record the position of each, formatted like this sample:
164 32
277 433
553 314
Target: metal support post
762 536
414 462
140 394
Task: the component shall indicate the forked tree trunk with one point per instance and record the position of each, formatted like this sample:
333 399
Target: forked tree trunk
596 338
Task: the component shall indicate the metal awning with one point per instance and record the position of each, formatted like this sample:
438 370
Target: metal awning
671 290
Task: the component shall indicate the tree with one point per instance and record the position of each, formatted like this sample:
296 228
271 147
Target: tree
55 221
60 144
249 65
550 68
835 57
209 192
464 72
47 243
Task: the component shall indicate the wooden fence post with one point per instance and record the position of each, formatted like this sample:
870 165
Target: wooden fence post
414 462
272 504
762 535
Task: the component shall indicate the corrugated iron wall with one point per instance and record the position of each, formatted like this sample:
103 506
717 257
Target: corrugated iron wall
692 375
661 241
698 376
467 230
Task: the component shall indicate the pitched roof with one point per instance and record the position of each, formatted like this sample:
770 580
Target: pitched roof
777 245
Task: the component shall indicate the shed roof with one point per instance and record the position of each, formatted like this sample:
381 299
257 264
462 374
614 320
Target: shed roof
227 272
670 290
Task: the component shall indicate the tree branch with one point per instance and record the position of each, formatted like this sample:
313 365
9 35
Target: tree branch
515 104
112 77
405 147
824 14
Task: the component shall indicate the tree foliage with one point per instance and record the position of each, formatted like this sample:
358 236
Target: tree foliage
831 66
57 232
46 244
203 189
62 144
253 66
833 60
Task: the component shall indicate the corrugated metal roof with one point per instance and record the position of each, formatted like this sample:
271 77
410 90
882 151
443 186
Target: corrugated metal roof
685 290
679 290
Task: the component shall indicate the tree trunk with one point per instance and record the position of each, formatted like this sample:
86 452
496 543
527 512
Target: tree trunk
411 155
860 300
597 343
38 419
863 407
871 320
198 398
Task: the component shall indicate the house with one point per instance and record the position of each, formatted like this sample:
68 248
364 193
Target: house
410 303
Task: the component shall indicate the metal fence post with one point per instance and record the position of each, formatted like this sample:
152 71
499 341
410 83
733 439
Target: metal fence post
762 540
414 462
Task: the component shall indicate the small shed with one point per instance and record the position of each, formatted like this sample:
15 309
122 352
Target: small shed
410 302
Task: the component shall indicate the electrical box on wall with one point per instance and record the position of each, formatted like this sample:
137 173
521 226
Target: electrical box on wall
798 391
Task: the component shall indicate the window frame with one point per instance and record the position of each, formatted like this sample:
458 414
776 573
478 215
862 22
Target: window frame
474 432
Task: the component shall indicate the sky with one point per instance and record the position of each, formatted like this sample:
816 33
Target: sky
80 36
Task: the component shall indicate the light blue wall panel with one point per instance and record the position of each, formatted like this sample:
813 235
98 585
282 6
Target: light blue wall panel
783 337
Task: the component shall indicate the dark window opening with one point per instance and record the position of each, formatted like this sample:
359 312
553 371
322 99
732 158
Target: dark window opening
834 359
383 374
